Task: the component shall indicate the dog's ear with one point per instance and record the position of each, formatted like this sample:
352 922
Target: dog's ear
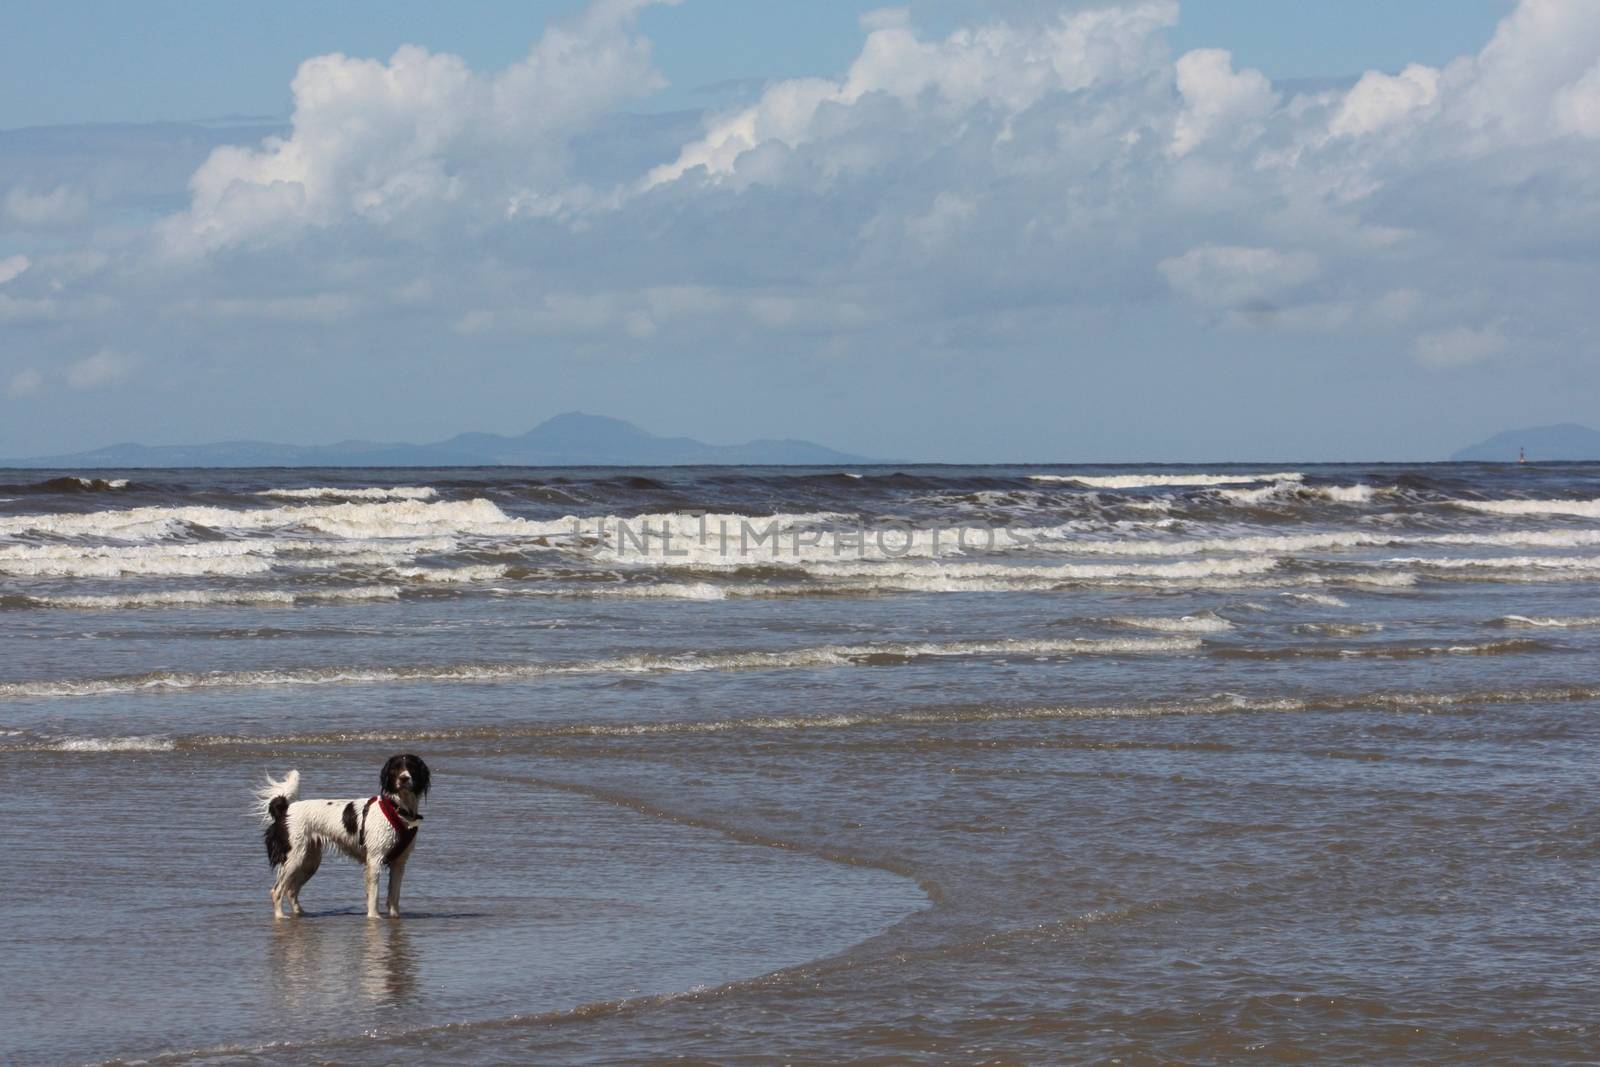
420 778
387 778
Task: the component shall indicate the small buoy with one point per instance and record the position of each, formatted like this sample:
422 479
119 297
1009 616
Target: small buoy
1522 455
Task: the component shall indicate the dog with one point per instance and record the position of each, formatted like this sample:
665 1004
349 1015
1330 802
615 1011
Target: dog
377 832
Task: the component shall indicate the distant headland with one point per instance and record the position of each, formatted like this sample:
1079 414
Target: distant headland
573 439
1567 441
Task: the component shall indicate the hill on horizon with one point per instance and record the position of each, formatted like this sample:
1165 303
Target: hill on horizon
1565 441
573 439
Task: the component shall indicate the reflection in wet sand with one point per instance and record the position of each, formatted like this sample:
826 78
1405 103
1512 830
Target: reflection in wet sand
375 960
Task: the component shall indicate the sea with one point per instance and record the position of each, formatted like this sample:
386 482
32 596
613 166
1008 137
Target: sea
1155 764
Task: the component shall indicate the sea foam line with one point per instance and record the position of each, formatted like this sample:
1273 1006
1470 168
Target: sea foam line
195 598
1143 481
319 492
1221 704
790 659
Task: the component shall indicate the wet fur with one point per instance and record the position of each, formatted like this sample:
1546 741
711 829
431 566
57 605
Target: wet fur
297 832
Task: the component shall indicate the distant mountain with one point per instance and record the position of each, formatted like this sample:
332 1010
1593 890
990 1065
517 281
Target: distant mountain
1567 441
573 439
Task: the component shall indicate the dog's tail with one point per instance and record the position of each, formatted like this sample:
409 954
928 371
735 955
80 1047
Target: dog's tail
272 804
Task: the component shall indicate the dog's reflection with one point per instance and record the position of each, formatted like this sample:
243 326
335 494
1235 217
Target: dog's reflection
314 959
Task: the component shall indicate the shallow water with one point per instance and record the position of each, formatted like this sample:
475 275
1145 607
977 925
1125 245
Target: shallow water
940 764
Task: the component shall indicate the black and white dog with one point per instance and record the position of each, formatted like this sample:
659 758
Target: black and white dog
375 831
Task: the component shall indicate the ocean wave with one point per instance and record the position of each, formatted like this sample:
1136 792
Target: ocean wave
1145 481
105 744
403 518
1294 491
1203 623
197 598
397 492
116 566
1485 648
1548 621
1337 629
205 558
823 656
1502 563
1061 572
1217 704
1585 508
1321 600
482 573
70 484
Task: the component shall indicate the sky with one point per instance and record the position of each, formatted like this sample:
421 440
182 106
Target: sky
1006 231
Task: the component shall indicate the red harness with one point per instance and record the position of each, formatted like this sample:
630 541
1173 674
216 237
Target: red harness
404 834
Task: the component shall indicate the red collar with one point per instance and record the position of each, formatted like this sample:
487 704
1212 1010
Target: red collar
404 833
391 811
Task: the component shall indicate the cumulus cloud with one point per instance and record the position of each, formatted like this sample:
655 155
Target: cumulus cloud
1379 101
383 141
1036 189
1216 98
100 371
1001 67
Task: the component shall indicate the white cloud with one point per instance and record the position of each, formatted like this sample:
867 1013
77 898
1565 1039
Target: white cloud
1227 276
60 206
103 369
385 141
1007 68
25 382
1216 98
1379 101
1048 189
12 267
1461 346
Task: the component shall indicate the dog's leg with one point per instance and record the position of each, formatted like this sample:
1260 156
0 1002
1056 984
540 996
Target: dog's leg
308 867
397 871
284 886
374 869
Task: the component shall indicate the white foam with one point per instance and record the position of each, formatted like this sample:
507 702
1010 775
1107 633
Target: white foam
397 492
197 598
483 573
109 744
1203 623
118 565
1143 481
1293 490
1586 508
400 518
208 558
1510 563
1319 599
824 656
1549 621
1189 568
1338 629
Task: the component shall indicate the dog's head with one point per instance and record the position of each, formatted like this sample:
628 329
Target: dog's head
405 773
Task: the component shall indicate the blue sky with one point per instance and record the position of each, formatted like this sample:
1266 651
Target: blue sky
160 60
959 231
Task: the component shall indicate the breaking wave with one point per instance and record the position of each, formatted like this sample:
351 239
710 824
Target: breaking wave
1548 622
398 492
1146 481
1585 508
199 598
